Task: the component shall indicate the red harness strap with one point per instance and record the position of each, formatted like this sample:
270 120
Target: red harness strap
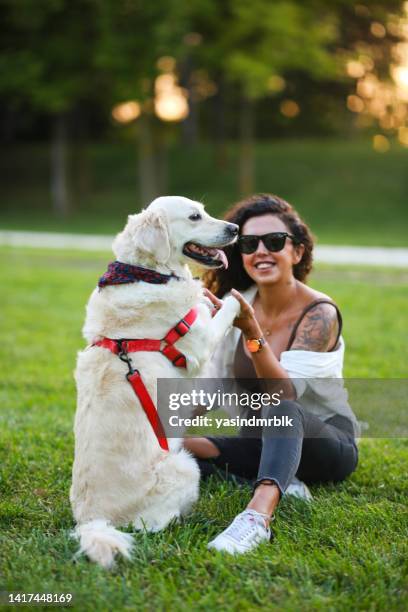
142 393
129 346
165 346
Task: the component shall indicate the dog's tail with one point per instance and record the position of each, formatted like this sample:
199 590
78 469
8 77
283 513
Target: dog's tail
100 541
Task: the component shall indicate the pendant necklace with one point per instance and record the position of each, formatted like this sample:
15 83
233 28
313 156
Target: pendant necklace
267 331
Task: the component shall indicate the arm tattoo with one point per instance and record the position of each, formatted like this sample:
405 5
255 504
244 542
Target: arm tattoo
317 330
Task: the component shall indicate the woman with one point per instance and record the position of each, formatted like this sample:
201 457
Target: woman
286 331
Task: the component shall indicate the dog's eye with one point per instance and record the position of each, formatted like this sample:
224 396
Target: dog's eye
195 217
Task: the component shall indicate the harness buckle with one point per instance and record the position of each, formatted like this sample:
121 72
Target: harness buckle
184 327
179 361
124 356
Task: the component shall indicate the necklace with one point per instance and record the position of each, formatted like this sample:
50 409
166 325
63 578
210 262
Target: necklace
265 330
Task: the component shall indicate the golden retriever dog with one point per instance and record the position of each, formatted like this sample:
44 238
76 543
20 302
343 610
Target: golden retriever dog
121 474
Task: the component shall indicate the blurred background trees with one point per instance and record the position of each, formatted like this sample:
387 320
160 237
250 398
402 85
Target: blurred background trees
209 71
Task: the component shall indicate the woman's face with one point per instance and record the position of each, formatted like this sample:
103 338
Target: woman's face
266 267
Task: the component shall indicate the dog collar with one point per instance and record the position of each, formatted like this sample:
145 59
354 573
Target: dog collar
119 273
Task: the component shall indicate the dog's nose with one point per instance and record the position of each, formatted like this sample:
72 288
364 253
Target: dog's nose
233 229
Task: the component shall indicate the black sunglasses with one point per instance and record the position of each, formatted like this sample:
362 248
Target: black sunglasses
275 241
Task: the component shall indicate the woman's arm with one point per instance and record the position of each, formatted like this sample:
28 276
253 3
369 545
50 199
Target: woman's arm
265 362
318 330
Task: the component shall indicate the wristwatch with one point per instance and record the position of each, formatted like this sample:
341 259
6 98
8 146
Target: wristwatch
254 345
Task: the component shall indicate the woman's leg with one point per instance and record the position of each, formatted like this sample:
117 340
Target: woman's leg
205 452
231 458
309 448
202 448
280 457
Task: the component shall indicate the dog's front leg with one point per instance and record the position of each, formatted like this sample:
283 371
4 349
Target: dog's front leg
222 321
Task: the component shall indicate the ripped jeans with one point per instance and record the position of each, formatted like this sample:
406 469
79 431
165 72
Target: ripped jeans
311 449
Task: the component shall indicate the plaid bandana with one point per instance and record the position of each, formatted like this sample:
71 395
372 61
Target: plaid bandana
119 273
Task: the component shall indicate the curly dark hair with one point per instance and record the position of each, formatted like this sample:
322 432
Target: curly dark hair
221 281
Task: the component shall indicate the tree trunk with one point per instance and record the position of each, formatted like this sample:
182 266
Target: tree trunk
162 164
59 171
81 163
221 151
189 127
9 121
190 123
148 176
246 180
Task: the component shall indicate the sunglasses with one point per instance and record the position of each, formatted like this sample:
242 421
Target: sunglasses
274 242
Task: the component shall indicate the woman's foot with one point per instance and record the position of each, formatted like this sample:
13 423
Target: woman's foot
299 489
246 531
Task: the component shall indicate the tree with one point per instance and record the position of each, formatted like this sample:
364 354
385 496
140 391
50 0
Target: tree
254 48
47 63
260 41
59 55
132 38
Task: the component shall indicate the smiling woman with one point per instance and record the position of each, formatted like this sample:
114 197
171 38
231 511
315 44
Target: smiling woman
290 333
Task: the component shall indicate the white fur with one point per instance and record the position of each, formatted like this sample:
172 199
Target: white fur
100 542
120 473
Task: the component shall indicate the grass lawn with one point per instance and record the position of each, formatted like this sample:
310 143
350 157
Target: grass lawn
348 193
348 550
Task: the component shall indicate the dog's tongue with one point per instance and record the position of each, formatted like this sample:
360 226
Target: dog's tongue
223 258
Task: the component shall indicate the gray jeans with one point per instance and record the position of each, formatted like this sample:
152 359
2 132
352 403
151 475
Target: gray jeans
311 449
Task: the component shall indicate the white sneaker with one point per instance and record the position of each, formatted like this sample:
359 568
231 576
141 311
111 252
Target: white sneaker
299 489
246 531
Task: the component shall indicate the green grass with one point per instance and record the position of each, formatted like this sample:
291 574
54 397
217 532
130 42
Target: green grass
348 193
347 551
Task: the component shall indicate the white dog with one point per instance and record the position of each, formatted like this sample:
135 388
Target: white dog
121 474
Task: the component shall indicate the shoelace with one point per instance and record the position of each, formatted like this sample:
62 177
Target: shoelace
243 525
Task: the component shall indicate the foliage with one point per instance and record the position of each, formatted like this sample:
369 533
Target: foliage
267 39
132 36
58 54
47 57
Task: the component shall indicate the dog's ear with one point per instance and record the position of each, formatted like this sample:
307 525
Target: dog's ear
149 233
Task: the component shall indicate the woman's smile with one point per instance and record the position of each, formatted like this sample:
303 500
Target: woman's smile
264 265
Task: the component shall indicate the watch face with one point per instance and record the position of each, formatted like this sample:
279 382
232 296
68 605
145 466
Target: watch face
253 345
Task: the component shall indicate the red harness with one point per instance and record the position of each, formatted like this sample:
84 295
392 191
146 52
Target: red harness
122 347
